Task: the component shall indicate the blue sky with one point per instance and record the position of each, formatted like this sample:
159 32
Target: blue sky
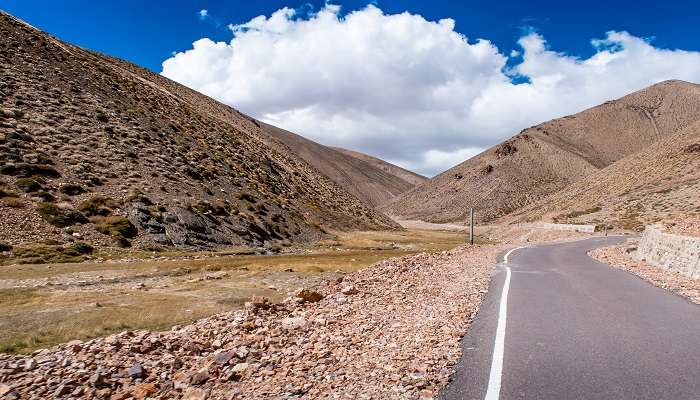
146 32
406 81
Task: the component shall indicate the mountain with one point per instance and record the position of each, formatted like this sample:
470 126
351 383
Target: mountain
99 149
546 158
658 183
373 182
409 176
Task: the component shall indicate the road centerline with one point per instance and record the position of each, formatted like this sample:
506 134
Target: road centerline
494 386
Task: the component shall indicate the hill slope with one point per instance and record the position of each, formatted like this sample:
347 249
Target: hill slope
373 182
409 176
546 158
660 182
99 149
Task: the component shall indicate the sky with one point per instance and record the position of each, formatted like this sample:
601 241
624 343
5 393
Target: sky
423 84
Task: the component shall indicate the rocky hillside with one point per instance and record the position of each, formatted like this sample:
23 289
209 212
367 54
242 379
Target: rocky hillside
374 182
546 158
406 175
658 183
99 150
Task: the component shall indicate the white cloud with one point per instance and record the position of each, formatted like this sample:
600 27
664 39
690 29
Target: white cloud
203 13
407 89
435 160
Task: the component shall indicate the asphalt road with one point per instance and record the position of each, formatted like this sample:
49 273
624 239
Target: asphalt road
578 329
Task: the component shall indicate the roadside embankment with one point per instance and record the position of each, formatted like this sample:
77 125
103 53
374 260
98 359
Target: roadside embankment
673 252
620 257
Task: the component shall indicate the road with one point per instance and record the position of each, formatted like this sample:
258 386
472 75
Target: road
574 328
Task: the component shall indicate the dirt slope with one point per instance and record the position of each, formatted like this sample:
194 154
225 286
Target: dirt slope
546 158
365 180
660 182
404 174
103 151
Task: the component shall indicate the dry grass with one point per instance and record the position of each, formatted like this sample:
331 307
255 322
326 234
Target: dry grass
153 294
38 318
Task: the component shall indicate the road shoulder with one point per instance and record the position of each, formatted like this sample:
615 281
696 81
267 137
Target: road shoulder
618 257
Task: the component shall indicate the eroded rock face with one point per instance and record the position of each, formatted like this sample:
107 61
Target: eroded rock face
144 220
184 227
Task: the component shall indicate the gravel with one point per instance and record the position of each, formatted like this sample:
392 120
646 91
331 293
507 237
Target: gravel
689 226
390 331
619 257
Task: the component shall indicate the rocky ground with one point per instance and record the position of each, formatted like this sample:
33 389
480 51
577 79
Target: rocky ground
389 331
619 257
686 227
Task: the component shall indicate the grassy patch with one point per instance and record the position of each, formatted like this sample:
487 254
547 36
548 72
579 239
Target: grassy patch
178 291
71 189
45 254
14 202
58 217
28 185
98 205
35 319
117 226
24 170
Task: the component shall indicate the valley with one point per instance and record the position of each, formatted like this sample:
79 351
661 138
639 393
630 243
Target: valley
146 291
156 243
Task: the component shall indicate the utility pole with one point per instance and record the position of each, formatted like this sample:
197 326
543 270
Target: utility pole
471 226
606 227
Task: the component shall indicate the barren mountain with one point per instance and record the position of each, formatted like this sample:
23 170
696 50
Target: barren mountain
100 150
409 176
546 158
660 182
374 182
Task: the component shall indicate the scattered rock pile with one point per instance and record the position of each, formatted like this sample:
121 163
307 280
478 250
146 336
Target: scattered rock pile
389 331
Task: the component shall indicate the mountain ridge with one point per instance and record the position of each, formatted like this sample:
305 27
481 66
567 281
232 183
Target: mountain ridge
96 148
375 183
547 157
658 183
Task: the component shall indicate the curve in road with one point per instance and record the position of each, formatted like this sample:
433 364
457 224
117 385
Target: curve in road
577 329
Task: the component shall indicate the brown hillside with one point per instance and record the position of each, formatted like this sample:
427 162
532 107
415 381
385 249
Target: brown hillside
101 150
546 158
660 182
368 181
402 173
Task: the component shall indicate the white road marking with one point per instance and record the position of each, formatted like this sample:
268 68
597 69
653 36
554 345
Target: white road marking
494 389
505 258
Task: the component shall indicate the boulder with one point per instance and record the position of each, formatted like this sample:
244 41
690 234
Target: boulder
195 394
309 295
144 390
200 377
293 323
136 371
349 290
240 368
224 357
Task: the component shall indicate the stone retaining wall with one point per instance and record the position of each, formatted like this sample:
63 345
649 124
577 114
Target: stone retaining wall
674 252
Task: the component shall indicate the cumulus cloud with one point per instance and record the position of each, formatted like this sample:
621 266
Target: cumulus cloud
410 90
203 13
